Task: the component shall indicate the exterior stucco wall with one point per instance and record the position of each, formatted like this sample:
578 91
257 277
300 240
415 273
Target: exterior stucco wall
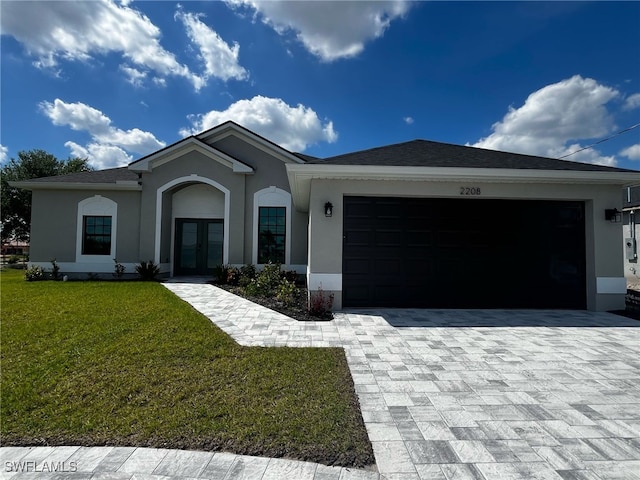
603 239
191 168
195 167
54 226
269 171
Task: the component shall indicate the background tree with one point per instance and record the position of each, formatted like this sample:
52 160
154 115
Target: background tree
16 202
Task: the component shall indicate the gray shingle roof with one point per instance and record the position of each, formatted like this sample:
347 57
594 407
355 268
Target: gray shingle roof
110 175
424 153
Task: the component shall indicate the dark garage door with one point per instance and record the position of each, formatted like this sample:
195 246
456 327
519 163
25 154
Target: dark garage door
463 253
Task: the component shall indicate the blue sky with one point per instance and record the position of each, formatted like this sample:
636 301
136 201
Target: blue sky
113 81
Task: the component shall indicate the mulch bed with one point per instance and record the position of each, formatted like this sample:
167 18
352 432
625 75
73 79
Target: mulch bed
298 310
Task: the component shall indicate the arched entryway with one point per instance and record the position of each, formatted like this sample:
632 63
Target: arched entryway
195 210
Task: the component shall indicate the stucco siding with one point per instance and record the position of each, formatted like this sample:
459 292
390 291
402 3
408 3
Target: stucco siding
55 218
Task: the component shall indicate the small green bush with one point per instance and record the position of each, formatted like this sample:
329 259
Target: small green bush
13 259
55 270
286 292
118 269
266 281
148 271
247 274
34 273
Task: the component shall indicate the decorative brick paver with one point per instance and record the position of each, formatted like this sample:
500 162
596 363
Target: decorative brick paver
513 394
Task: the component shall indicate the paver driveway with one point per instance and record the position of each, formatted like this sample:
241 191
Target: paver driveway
449 394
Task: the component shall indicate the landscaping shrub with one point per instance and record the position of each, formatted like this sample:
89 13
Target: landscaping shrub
286 292
147 270
118 269
247 273
266 281
34 273
320 304
55 270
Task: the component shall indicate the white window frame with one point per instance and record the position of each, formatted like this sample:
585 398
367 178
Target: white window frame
272 197
98 206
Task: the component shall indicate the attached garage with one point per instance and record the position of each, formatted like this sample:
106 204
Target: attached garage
463 253
431 225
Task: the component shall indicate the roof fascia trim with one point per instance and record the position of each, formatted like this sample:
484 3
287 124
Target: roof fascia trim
161 157
120 185
300 176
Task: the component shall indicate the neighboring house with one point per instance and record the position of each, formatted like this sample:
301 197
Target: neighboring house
15 247
417 224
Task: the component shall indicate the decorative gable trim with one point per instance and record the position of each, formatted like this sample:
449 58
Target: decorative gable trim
226 129
189 144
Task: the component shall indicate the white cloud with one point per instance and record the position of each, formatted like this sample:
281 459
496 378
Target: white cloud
4 153
134 76
220 60
632 152
328 29
293 128
100 156
80 30
108 142
632 102
553 120
408 120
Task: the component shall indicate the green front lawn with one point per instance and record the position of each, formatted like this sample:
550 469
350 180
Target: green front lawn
128 363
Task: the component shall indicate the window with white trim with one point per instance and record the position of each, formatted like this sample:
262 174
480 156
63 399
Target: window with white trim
272 234
96 230
272 226
96 235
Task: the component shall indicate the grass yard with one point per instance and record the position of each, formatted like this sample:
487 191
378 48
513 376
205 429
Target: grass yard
130 364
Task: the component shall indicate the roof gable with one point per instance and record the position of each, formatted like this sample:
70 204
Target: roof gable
225 129
178 149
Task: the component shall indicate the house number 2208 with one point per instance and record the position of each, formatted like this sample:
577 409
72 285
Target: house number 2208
470 191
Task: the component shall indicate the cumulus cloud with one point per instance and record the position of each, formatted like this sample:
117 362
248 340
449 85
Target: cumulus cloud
632 152
78 31
100 156
293 128
4 153
134 76
220 59
328 29
632 102
109 143
554 119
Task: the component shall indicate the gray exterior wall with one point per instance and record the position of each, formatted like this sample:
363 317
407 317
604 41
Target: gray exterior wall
603 239
54 226
269 171
195 167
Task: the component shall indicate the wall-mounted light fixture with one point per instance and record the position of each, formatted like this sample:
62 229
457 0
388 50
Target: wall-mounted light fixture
613 215
328 209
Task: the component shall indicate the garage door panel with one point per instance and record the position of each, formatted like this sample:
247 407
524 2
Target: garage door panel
463 253
388 238
387 266
358 266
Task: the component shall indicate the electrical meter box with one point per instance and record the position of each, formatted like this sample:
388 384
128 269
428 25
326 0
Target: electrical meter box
630 248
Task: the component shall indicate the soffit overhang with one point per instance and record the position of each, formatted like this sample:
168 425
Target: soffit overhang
301 176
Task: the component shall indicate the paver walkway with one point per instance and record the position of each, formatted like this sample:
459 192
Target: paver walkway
445 394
